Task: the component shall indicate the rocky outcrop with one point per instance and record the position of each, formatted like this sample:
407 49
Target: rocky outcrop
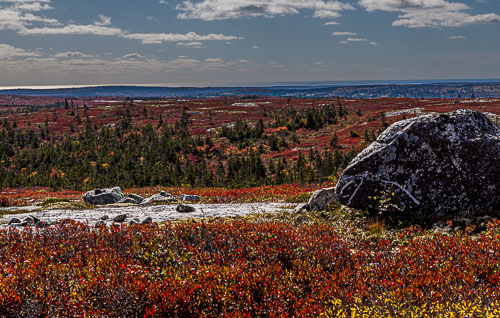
134 221
190 198
14 221
120 218
321 199
161 197
184 208
147 220
433 166
103 196
132 198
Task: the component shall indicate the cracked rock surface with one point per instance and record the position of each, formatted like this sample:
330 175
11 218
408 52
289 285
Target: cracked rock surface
434 165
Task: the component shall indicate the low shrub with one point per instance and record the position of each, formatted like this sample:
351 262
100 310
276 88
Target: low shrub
5 201
246 269
49 201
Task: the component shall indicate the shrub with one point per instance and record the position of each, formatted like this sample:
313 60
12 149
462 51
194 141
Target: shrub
300 198
5 201
54 200
246 269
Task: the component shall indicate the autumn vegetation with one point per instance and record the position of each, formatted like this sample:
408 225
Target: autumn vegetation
273 266
334 263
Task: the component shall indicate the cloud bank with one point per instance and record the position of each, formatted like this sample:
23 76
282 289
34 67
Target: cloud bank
429 13
209 10
22 16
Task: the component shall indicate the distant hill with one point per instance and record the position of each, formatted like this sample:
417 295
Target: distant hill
424 90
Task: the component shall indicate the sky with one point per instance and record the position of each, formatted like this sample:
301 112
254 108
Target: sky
244 42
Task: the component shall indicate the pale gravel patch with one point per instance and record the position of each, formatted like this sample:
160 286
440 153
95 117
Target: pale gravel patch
159 213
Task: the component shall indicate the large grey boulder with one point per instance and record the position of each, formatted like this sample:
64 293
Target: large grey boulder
433 166
103 196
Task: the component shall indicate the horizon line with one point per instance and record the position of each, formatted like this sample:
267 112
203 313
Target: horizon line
251 84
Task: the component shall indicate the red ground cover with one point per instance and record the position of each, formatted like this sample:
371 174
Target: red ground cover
278 193
243 269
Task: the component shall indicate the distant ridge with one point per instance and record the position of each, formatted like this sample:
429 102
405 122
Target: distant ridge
417 90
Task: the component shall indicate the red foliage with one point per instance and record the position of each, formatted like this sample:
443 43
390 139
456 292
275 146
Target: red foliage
241 269
5 201
31 196
276 193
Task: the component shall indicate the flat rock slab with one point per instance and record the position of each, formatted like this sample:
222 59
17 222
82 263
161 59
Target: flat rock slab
158 213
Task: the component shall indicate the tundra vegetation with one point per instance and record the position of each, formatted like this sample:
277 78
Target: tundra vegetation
340 262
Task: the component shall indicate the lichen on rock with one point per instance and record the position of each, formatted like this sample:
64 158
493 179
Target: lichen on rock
435 166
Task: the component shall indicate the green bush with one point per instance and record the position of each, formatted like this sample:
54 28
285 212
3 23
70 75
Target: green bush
53 200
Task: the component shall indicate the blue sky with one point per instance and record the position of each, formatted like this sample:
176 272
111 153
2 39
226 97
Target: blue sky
228 42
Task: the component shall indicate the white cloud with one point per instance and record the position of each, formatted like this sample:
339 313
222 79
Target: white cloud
71 54
163 2
255 47
352 38
410 5
145 38
194 44
32 6
158 38
72 29
325 14
276 64
214 60
344 33
331 23
34 68
457 37
227 9
103 20
356 40
132 56
25 1
244 61
435 18
429 13
8 51
18 16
